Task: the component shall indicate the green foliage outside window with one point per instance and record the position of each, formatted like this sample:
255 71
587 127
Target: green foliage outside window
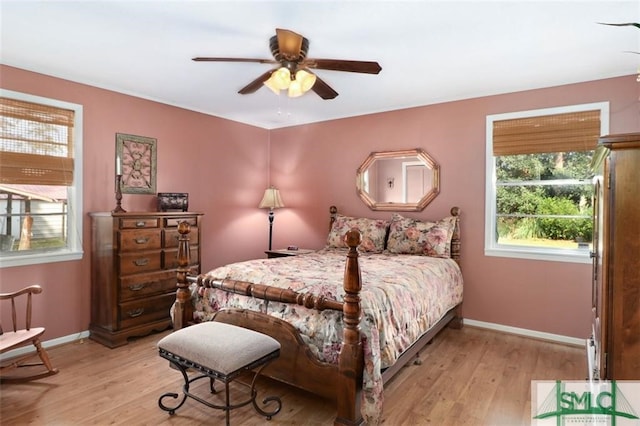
545 197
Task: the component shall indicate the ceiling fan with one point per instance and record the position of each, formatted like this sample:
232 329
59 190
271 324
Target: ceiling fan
293 74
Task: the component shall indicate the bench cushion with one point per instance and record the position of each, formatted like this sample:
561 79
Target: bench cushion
221 347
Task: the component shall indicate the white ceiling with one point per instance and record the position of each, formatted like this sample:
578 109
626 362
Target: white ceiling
430 51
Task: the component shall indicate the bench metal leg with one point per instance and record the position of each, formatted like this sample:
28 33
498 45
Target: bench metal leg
182 365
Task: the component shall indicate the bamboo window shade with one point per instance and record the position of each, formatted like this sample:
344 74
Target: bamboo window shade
36 143
573 131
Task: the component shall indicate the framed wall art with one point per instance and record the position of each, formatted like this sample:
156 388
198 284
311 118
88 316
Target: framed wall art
136 162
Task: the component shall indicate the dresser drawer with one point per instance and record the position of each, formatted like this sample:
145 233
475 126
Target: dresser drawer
145 310
171 258
137 262
141 239
139 223
142 285
173 222
171 237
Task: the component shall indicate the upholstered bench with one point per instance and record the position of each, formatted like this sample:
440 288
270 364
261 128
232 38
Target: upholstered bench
219 351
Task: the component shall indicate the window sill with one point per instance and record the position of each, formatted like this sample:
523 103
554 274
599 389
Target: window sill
7 261
571 256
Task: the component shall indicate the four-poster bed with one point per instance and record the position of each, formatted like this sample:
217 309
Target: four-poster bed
365 342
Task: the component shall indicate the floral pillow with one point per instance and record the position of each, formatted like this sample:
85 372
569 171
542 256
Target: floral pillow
372 232
412 236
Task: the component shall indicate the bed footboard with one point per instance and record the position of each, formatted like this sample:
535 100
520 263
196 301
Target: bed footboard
296 365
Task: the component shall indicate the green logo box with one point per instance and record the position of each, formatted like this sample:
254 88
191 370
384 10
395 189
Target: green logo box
577 403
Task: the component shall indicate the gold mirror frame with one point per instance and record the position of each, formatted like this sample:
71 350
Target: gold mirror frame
410 155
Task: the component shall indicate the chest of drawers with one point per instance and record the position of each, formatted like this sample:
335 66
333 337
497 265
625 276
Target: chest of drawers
616 280
133 272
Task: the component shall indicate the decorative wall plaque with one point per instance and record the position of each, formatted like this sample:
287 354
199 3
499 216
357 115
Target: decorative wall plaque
136 162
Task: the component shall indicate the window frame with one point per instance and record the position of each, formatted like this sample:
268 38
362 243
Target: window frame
75 213
492 247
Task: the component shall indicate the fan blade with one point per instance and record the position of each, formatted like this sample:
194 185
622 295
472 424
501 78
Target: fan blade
323 90
289 44
260 61
365 67
256 84
624 24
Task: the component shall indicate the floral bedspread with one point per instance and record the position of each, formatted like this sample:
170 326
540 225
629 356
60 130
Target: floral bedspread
402 297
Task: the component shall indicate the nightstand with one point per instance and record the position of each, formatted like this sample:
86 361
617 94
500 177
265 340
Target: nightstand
284 252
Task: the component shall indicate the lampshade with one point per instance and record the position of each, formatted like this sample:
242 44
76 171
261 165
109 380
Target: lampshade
296 85
303 82
271 199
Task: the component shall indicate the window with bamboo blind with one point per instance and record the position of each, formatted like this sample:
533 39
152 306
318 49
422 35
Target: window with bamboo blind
539 184
37 143
562 132
40 179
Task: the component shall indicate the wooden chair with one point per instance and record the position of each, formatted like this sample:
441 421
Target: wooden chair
21 337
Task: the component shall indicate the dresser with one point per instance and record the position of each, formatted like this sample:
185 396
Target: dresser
133 272
616 258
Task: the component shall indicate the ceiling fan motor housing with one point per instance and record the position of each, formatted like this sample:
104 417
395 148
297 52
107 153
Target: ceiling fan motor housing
275 51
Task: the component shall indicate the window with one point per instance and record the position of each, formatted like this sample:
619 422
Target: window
40 180
539 187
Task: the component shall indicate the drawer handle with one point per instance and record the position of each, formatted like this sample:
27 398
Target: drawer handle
141 240
140 224
140 286
141 262
136 312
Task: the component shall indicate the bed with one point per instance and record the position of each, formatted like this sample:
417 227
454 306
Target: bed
348 316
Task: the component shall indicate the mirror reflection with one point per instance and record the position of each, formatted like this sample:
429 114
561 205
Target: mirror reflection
405 180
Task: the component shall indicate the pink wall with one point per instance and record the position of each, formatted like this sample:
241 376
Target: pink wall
222 164
315 165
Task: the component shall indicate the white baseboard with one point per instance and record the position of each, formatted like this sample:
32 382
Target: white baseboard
474 323
46 344
574 341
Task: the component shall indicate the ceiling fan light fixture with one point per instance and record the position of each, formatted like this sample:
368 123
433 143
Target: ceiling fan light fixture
295 89
280 80
306 79
302 83
271 85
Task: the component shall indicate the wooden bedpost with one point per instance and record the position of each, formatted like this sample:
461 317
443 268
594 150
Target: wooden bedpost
455 238
182 310
351 361
457 321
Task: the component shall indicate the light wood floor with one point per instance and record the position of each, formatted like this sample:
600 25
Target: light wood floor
467 377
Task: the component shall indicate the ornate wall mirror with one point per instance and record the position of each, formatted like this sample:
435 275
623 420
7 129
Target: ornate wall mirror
398 180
